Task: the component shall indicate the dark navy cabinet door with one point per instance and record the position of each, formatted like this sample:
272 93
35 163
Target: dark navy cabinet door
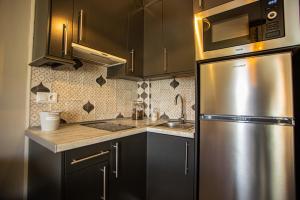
135 39
153 40
61 28
89 183
179 36
170 167
130 184
101 25
168 38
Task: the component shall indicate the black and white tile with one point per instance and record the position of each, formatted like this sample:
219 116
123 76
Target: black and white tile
83 94
86 94
144 95
163 94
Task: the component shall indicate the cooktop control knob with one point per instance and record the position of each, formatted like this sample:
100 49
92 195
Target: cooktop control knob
272 15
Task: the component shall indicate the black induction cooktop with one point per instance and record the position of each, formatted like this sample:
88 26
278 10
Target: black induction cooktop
108 126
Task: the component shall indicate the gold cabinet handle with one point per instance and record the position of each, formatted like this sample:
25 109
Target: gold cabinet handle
200 3
80 25
65 38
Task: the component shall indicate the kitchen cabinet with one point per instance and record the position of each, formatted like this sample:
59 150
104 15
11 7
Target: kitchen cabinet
135 39
168 38
88 183
102 25
52 33
153 40
133 69
202 5
80 173
170 167
178 36
129 161
110 170
142 166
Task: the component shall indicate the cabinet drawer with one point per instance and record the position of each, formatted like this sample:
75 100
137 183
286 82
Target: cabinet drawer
86 156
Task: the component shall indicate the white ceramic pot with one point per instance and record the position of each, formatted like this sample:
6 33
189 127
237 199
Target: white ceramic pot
49 120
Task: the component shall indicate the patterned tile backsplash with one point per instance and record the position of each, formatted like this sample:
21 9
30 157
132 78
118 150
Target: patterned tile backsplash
83 95
161 95
86 95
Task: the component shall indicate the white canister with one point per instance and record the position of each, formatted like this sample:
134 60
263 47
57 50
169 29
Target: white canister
50 120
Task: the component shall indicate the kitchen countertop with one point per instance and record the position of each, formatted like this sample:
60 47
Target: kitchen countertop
73 136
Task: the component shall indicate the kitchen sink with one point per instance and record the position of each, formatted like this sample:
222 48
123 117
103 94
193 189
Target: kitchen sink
177 124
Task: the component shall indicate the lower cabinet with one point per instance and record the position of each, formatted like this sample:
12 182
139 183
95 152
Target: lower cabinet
145 166
129 161
81 173
170 167
88 183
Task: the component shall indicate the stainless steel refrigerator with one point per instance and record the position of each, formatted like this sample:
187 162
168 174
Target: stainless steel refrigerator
246 129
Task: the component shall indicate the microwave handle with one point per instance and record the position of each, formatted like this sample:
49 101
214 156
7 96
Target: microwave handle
256 32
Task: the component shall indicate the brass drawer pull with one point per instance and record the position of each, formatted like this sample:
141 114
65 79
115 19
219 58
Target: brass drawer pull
102 153
65 39
80 25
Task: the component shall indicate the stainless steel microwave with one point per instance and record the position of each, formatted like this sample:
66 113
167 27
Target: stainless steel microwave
243 26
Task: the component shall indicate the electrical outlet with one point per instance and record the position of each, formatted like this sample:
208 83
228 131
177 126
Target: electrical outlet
46 97
52 98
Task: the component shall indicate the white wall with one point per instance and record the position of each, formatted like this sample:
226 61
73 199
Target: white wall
15 48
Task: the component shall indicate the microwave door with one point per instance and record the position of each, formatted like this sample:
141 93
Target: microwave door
232 28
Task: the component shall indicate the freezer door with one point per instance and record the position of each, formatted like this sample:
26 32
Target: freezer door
253 86
243 161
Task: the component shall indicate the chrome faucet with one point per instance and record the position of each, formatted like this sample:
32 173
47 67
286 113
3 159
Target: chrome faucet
182 110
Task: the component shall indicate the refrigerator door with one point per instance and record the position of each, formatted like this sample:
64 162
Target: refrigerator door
244 161
253 86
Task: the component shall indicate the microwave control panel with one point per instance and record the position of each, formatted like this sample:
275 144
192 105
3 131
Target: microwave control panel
274 18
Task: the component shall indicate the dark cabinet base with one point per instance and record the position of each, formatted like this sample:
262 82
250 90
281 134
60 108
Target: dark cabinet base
45 172
131 181
170 167
88 183
150 166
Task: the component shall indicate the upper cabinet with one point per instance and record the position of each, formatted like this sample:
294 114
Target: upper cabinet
178 36
202 5
102 25
52 33
133 69
135 38
169 38
153 40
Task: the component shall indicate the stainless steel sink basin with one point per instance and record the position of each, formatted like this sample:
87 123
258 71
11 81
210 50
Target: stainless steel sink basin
177 124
